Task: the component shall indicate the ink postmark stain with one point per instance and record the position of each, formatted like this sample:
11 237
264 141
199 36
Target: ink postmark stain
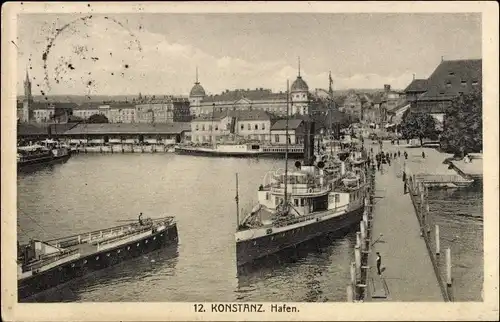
81 27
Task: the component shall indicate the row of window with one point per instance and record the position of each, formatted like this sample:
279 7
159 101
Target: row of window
463 83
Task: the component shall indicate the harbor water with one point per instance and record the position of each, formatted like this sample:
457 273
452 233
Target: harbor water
92 192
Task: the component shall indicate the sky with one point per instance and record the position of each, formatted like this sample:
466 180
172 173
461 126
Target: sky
150 53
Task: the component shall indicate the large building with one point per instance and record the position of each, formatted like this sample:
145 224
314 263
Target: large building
450 79
255 99
224 125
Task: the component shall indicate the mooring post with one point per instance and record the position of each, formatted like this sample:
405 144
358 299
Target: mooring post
358 238
357 257
350 297
353 274
438 250
448 266
363 235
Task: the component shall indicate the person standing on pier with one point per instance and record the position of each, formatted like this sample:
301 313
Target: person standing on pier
406 155
399 154
404 183
379 263
423 154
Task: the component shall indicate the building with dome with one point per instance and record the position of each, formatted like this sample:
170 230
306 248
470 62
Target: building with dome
196 95
260 99
299 92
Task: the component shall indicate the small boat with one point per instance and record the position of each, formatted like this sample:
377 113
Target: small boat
46 264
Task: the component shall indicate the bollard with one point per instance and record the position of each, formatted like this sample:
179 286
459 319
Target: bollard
350 297
357 258
363 235
437 241
448 266
358 238
353 273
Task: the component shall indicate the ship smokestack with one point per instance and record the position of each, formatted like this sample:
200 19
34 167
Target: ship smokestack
308 143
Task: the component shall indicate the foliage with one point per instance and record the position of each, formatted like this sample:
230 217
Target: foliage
74 119
97 118
418 125
463 128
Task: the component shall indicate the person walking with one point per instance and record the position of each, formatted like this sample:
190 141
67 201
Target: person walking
423 154
379 263
399 154
406 155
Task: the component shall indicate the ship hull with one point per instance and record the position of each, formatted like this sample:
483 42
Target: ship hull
84 265
37 163
250 250
238 154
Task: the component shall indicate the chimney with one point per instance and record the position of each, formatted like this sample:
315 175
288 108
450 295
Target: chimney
308 143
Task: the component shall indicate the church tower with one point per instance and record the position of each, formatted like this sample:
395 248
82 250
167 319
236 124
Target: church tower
28 99
196 95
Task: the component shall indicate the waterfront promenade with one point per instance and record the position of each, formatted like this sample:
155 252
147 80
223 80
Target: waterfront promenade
407 271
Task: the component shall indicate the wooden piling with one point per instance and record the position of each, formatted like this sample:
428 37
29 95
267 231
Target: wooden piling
363 235
350 297
357 258
438 250
358 238
448 266
353 273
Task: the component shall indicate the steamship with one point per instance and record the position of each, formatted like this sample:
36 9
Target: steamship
31 156
314 199
46 264
243 150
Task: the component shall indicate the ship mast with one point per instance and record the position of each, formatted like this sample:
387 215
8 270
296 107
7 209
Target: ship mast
285 204
237 199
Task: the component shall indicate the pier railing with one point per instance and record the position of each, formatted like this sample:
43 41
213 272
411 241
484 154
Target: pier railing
358 286
420 199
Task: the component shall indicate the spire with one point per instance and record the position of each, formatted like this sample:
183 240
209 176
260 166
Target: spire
299 66
413 76
27 76
197 82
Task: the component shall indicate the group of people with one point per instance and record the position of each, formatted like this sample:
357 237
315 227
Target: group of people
381 158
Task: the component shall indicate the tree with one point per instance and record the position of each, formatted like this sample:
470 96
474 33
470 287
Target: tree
463 126
420 125
74 119
97 118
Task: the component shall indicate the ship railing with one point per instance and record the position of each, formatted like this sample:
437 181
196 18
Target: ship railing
287 222
125 235
47 259
95 236
307 189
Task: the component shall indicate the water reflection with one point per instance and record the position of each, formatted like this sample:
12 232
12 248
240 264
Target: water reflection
162 262
310 260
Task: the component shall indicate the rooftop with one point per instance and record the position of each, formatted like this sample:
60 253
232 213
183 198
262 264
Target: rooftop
258 94
453 77
129 128
292 124
417 85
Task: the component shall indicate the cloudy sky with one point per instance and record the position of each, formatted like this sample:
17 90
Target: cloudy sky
158 53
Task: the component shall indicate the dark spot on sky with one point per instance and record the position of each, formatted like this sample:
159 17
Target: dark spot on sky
31 67
89 83
38 85
111 54
112 74
95 58
44 56
126 65
70 66
88 5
